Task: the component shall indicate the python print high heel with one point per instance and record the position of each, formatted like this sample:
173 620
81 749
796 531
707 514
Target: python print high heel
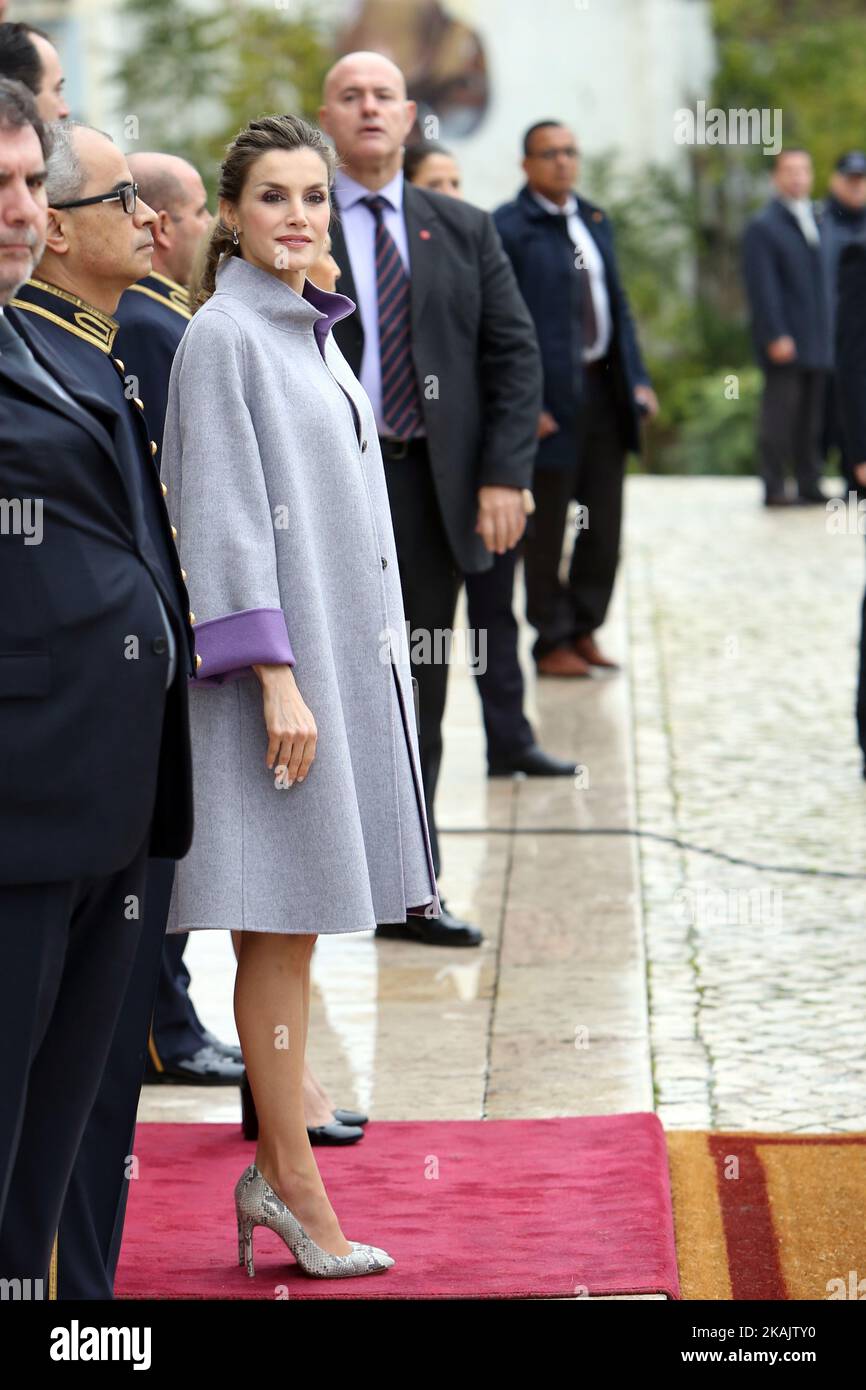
257 1204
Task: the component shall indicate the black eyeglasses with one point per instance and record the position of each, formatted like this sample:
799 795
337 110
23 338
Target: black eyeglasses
126 195
569 151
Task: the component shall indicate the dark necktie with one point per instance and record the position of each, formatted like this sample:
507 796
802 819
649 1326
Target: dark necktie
588 320
15 348
401 403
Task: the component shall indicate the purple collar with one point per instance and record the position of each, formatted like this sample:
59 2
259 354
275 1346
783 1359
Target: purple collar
332 307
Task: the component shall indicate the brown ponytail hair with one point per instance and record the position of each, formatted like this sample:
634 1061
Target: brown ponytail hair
259 137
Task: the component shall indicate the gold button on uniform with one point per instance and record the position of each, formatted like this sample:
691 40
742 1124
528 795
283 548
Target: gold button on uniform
197 661
192 617
183 575
117 362
139 403
164 490
153 447
174 533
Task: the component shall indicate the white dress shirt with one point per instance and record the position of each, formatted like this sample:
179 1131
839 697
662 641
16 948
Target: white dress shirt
359 231
593 265
802 209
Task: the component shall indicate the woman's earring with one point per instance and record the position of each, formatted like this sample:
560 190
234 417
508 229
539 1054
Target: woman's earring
236 241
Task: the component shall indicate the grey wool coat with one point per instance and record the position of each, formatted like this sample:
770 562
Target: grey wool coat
277 490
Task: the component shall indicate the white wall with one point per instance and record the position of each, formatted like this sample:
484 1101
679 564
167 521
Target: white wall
615 71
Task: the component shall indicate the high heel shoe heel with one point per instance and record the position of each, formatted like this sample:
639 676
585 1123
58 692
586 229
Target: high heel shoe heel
257 1204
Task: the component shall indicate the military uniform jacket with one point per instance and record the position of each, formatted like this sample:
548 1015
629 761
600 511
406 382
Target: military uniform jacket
152 314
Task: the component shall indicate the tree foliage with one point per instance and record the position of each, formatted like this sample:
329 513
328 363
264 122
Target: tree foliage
193 76
680 241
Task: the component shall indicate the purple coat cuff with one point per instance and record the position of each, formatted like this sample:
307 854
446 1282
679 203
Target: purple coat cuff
230 646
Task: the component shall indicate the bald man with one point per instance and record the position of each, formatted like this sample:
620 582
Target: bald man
154 312
446 350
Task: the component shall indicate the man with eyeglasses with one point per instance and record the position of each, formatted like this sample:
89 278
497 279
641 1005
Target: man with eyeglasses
596 387
98 242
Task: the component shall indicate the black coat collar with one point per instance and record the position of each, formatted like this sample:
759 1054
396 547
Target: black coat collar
588 212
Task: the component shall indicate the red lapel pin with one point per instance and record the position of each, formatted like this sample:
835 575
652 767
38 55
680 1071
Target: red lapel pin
424 234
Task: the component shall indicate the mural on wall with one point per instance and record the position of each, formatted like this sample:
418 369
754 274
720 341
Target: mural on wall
442 57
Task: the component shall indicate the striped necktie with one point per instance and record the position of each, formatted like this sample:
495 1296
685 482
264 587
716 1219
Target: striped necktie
401 403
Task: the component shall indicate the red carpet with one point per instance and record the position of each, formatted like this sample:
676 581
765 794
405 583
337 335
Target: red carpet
469 1209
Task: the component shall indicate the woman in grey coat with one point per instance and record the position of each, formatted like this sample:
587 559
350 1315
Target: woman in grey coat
308 797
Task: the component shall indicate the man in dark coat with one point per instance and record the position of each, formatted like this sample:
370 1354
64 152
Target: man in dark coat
153 314
596 386
99 240
445 349
851 396
790 317
842 221
96 649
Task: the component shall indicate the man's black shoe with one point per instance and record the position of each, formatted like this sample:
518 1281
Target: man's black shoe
534 762
445 930
776 499
811 498
227 1049
207 1067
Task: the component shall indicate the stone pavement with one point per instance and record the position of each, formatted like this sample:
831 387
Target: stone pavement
620 973
744 626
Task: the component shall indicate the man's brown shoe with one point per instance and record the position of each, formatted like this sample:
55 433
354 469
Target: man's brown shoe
589 653
562 661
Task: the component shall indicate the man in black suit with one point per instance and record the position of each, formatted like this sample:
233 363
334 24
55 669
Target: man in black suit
153 314
445 349
851 396
786 284
595 387
102 613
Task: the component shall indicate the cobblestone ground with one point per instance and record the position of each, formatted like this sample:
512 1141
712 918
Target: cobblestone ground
743 628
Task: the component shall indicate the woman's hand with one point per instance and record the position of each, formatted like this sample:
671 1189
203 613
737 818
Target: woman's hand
292 732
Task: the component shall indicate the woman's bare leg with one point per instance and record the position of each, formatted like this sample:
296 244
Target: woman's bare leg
318 1106
271 985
